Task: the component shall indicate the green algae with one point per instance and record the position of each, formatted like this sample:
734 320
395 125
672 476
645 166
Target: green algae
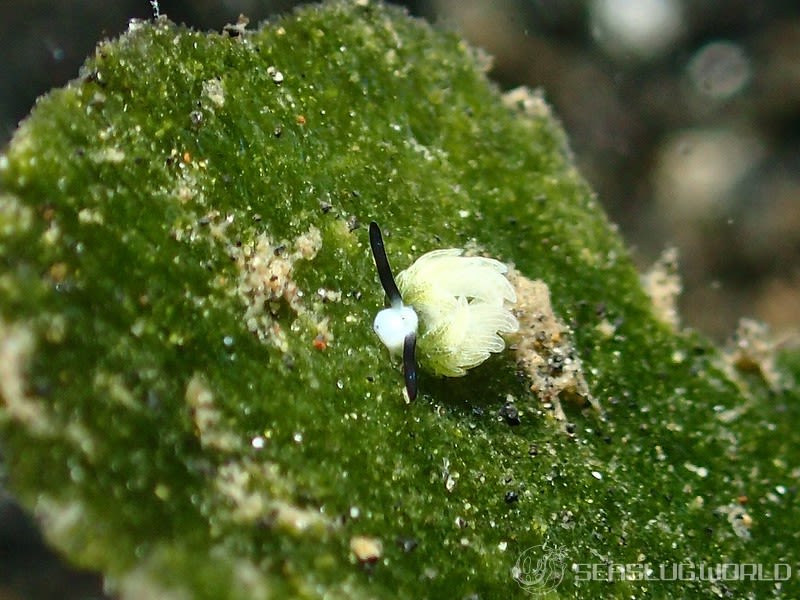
195 403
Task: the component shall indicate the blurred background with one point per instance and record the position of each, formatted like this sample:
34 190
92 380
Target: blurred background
684 116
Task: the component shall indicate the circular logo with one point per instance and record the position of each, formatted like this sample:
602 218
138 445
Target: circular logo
539 569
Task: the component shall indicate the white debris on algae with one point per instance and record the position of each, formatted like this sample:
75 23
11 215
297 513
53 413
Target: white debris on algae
545 349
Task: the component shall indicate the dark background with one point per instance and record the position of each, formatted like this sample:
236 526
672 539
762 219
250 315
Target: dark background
684 115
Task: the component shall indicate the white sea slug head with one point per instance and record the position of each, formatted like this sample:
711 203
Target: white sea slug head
394 324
